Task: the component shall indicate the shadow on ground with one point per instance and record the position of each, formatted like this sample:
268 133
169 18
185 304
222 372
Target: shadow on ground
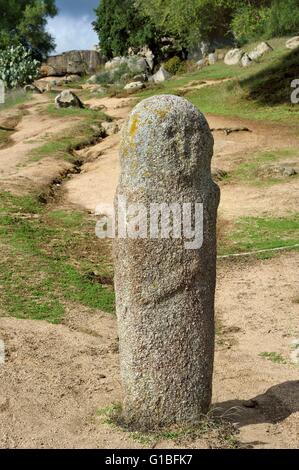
272 86
274 406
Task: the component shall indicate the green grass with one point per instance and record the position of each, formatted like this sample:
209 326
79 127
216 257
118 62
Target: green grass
46 258
259 92
273 357
250 171
261 233
80 134
14 98
89 114
229 99
5 138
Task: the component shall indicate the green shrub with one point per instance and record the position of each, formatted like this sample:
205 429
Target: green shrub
173 65
188 66
119 75
17 66
283 18
104 78
250 23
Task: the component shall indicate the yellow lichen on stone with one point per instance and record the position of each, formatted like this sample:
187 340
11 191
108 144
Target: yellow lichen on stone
162 113
134 126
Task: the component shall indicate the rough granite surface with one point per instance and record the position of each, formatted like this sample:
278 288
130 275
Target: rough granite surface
165 292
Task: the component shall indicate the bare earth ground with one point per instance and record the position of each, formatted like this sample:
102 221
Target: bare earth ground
97 181
56 378
17 173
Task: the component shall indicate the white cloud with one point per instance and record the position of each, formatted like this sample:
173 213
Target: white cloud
72 33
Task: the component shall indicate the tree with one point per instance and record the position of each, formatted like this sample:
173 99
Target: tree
24 21
265 19
189 21
120 26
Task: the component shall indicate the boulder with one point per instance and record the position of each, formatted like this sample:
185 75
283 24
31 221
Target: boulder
47 71
92 80
195 53
271 170
142 77
233 57
68 99
72 78
97 89
220 55
289 171
32 89
115 63
212 58
144 52
110 128
42 85
54 81
246 61
161 76
93 88
137 64
62 81
262 49
149 57
74 62
293 43
201 63
98 107
134 86
45 84
200 51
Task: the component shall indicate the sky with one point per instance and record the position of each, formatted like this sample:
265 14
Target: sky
72 27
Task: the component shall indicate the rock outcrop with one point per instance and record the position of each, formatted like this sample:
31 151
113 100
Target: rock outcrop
68 99
293 43
134 86
135 64
72 62
233 57
32 89
260 50
212 58
246 60
161 76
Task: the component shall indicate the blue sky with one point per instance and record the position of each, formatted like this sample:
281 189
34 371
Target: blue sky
72 28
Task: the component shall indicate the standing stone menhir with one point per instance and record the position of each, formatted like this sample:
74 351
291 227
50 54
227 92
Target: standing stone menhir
165 286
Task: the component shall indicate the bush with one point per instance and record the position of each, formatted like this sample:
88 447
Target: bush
17 67
188 66
173 65
251 23
121 75
283 18
104 78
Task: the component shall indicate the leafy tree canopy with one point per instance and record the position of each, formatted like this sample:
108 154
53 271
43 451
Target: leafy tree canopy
25 21
120 25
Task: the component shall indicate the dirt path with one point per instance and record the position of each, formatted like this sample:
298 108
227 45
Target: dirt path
56 378
98 179
17 174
